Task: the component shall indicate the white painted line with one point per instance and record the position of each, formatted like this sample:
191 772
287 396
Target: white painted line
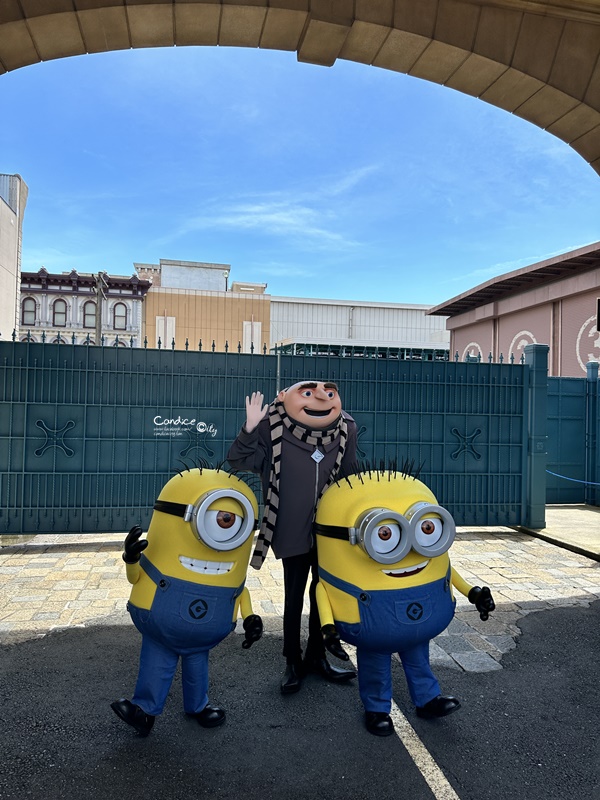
436 780
422 758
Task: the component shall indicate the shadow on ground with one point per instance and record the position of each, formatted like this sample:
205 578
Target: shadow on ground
528 731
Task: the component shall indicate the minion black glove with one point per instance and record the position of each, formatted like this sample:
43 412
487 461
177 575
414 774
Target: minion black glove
331 640
482 599
253 625
134 545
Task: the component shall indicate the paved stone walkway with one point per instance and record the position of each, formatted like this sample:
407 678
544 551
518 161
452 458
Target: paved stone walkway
52 582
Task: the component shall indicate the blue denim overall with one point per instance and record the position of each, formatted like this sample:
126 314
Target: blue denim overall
399 621
186 619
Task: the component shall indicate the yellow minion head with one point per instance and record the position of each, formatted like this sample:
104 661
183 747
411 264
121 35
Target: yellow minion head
383 530
202 526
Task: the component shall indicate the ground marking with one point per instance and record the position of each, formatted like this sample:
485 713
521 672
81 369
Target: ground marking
422 758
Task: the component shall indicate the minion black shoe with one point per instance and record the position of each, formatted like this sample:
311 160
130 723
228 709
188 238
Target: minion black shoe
440 706
326 670
133 715
210 716
379 723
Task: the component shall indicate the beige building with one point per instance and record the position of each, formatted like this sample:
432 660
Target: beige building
554 302
13 197
191 303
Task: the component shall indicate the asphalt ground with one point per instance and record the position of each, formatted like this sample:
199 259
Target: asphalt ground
529 731
527 680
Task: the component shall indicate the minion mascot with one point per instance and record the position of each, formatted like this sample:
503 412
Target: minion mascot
188 586
386 586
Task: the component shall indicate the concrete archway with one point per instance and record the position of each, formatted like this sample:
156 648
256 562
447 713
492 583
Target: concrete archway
536 59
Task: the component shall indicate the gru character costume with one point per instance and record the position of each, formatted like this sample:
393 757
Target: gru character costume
299 445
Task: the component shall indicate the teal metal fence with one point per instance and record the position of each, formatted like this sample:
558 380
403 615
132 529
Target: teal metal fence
89 435
573 440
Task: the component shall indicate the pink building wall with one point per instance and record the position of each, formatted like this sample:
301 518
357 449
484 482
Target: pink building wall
561 314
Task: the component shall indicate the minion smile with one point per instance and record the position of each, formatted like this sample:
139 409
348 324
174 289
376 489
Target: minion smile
406 572
206 567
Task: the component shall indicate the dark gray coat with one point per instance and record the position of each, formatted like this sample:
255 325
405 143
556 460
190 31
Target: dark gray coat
300 481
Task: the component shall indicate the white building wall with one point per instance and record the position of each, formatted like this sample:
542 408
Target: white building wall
194 275
13 197
360 323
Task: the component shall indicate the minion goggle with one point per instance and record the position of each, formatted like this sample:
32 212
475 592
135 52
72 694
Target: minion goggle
387 536
216 528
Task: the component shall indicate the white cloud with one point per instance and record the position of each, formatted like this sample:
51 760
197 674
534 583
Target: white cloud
270 216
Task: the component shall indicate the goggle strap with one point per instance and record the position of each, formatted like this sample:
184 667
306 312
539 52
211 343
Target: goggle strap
332 531
176 509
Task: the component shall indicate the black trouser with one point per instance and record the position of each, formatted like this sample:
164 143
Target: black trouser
295 576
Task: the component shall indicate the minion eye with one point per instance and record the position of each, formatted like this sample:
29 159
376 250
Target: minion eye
429 531
386 538
222 525
225 519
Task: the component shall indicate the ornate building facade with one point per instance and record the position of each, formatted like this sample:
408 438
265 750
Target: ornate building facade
64 307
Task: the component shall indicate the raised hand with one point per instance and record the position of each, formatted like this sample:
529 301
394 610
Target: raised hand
134 545
255 410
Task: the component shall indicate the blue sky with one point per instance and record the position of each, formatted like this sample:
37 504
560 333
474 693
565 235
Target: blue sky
349 182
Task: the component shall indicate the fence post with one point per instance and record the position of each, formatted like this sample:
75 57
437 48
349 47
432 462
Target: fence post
591 433
536 357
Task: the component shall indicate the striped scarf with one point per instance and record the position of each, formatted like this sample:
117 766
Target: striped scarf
278 418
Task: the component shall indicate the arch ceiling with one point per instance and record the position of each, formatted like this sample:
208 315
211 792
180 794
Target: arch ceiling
538 60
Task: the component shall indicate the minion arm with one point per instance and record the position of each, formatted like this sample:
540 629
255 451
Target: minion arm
253 624
133 547
480 596
460 583
324 606
331 638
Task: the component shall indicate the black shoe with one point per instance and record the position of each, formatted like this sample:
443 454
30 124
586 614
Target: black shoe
133 715
327 670
210 716
440 706
378 723
292 679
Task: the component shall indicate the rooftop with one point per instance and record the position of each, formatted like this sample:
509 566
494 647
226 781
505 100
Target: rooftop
544 272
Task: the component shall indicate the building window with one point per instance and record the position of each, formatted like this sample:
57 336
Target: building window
28 311
120 317
59 314
89 314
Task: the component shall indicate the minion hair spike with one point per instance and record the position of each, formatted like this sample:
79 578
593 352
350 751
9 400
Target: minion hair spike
418 472
348 482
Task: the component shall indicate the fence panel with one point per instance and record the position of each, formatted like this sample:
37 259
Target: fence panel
89 435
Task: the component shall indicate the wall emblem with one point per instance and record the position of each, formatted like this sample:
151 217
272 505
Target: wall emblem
588 343
471 351
519 342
